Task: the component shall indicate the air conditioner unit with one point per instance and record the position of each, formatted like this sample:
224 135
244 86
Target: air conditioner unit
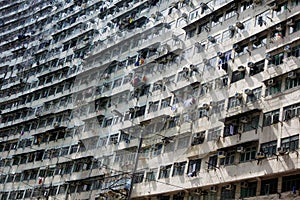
269 57
236 48
211 39
287 48
281 150
248 91
205 106
229 187
241 68
240 149
271 82
184 15
260 155
251 64
213 188
221 154
244 184
220 54
240 25
238 95
185 69
290 22
292 75
278 27
244 120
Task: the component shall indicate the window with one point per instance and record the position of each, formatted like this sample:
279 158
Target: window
280 9
138 177
273 88
229 158
249 191
295 27
292 82
259 42
251 124
234 102
291 183
276 59
248 154
193 14
218 106
269 148
203 112
113 139
255 95
230 13
269 186
261 19
214 134
198 138
246 5
165 103
178 168
170 147
151 175
164 171
228 192
117 83
212 162
194 167
290 143
291 111
183 142
237 75
231 128
271 118
173 122
157 148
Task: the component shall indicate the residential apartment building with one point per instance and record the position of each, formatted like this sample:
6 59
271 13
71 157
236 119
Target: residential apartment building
149 99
